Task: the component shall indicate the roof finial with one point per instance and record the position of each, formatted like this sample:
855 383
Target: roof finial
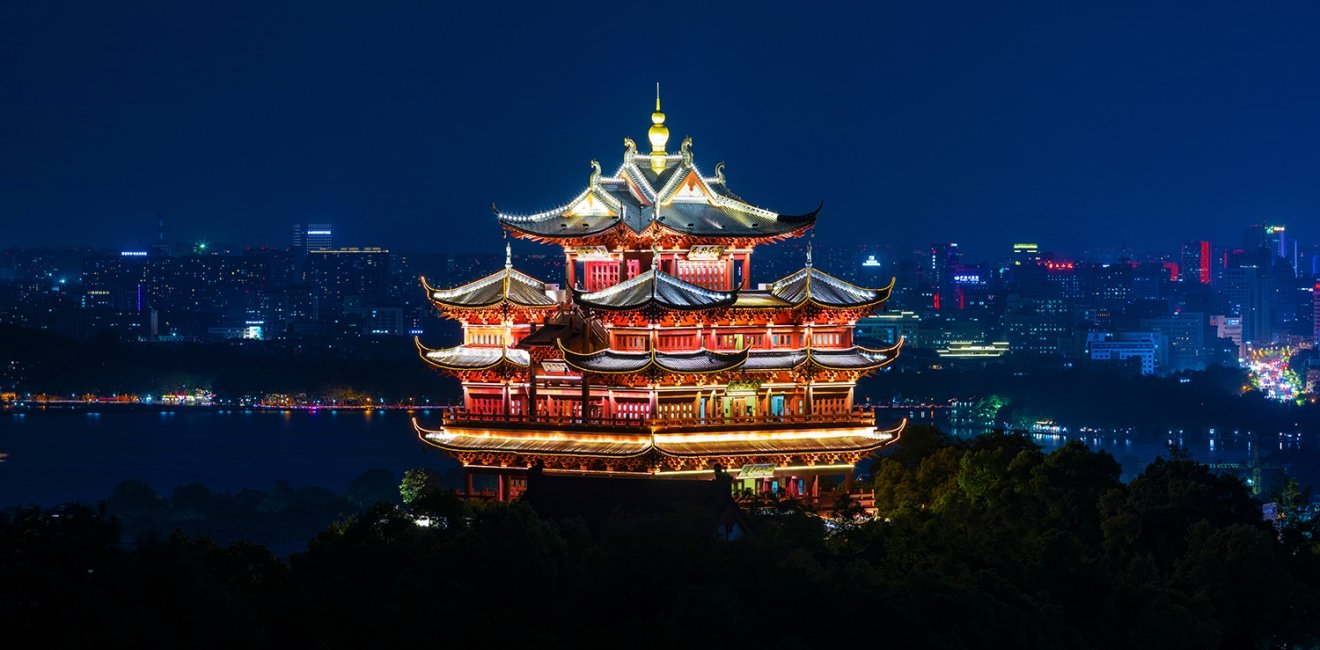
655 257
808 253
658 135
508 255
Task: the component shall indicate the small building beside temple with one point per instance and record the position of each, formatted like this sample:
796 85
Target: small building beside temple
660 357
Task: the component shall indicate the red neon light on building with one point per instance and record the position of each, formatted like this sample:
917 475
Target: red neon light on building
936 301
1205 262
1173 270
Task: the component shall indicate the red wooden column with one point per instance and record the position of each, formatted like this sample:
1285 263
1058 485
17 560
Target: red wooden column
586 398
572 270
747 270
503 488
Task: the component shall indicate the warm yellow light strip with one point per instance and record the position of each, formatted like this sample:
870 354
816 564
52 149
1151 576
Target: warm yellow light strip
764 435
549 437
790 468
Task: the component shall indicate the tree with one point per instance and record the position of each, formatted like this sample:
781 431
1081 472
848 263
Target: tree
418 483
373 486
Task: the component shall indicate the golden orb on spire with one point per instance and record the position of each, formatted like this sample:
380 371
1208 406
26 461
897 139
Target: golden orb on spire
658 135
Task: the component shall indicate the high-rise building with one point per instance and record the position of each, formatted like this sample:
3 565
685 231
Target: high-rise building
312 236
349 279
943 260
1194 265
662 358
1185 333
1315 317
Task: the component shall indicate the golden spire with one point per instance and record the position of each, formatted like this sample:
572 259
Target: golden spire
658 135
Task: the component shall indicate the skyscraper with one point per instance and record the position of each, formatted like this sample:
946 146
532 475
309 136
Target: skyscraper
1195 263
312 237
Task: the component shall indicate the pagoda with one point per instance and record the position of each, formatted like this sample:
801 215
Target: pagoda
660 358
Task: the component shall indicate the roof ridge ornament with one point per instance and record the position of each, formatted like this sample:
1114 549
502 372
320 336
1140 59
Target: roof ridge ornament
595 175
658 135
686 149
631 149
808 253
719 172
508 255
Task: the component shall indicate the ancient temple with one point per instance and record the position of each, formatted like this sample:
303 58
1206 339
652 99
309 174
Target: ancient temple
659 356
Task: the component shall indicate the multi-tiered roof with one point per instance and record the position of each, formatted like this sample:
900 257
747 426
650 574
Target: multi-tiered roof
659 356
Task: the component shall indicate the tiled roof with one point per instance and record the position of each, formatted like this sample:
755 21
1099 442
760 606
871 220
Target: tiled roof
505 285
472 358
638 197
617 362
655 288
812 285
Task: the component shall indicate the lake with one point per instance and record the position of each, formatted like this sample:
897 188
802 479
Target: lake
75 454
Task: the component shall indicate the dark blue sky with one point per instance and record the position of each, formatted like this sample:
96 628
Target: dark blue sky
1076 124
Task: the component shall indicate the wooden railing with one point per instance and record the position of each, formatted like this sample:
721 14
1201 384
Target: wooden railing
859 417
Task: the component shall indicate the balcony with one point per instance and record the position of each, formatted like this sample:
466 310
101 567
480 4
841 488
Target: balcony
855 418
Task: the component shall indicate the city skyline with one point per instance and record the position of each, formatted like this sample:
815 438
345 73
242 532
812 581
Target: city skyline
1195 123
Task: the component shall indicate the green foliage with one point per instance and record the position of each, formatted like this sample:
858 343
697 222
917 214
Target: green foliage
417 484
373 486
986 543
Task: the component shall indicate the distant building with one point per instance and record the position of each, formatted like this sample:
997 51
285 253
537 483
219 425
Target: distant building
349 279
973 350
890 327
1315 317
1185 333
1150 348
1230 327
1194 265
312 236
1038 323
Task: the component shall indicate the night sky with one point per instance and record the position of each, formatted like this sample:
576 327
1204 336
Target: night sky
1080 125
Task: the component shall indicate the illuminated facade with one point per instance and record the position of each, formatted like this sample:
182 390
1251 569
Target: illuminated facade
661 358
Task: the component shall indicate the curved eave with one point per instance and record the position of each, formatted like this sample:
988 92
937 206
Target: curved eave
763 443
882 295
653 302
536 444
502 299
790 367
794 230
579 297
580 362
809 296
732 361
514 227
504 358
890 356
